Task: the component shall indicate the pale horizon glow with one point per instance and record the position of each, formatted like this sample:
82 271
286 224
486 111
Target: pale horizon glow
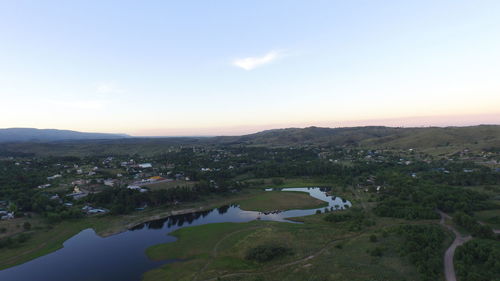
163 68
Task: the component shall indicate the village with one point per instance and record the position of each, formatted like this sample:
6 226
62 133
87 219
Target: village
68 182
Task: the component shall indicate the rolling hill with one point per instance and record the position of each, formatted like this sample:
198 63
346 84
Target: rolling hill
377 136
436 140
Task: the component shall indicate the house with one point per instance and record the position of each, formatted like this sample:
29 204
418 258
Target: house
156 178
134 187
54 177
44 186
110 182
145 165
77 193
79 182
91 210
96 211
8 216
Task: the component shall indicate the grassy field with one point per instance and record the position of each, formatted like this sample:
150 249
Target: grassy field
170 184
48 239
489 217
289 182
327 251
281 200
320 250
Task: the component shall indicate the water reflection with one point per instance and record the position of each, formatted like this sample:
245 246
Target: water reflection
87 256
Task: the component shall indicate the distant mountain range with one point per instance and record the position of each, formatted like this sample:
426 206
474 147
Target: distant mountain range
47 135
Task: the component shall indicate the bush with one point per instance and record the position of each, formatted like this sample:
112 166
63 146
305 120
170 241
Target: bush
373 238
356 218
469 223
264 253
27 226
277 181
13 242
376 252
338 217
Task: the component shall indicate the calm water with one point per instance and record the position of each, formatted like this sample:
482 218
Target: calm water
121 257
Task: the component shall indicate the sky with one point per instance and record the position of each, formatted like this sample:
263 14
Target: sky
161 68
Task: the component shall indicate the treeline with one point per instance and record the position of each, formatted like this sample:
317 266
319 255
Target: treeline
355 218
123 200
478 260
405 209
420 201
474 227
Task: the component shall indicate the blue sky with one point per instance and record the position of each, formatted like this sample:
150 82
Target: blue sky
232 67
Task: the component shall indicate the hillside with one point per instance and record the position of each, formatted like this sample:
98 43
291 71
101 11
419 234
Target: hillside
432 139
480 137
47 135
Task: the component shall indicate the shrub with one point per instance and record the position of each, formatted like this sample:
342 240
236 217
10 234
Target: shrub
376 252
27 226
264 253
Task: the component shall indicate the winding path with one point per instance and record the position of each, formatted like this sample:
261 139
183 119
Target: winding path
449 268
216 248
281 266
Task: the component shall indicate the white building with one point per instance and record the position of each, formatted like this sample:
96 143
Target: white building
145 165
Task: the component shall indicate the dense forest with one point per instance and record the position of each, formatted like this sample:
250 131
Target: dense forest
478 260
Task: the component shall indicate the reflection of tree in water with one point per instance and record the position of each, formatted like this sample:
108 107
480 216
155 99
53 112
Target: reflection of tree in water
178 220
138 227
223 209
325 189
156 224
181 220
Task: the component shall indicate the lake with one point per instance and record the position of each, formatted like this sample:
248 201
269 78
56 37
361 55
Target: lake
121 257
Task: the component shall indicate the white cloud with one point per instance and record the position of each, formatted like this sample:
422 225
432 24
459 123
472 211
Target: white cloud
108 88
250 63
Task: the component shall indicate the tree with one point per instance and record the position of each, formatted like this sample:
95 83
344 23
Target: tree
27 226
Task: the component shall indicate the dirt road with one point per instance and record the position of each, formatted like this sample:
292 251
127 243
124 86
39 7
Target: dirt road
449 268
